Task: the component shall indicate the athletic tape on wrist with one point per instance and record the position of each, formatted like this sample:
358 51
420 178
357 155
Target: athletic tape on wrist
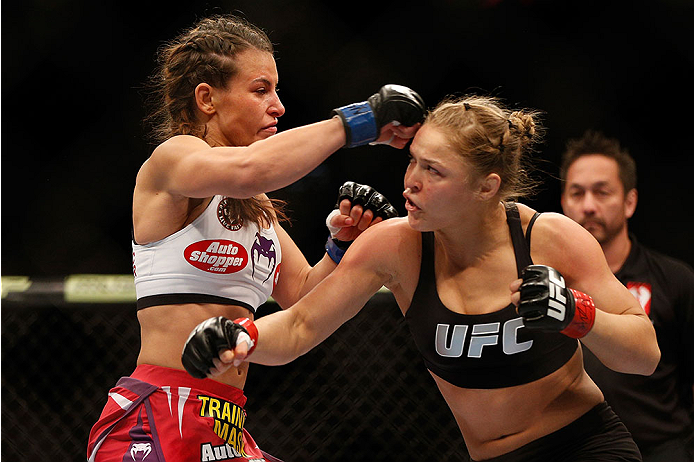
584 317
251 337
333 229
360 123
334 252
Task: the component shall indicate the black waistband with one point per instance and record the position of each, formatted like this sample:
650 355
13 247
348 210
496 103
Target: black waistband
180 299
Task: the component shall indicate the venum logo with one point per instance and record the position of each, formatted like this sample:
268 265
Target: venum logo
140 451
266 248
217 256
482 335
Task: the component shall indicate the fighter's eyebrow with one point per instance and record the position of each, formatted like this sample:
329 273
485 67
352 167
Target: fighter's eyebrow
264 80
430 161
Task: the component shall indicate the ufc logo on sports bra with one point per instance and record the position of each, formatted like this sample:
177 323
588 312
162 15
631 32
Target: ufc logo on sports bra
482 335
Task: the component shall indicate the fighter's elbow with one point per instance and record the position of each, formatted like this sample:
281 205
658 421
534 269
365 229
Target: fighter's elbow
653 360
652 354
647 359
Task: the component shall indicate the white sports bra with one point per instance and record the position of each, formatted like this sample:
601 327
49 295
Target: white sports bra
212 260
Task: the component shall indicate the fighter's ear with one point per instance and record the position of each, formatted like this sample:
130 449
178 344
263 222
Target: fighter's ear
489 186
203 98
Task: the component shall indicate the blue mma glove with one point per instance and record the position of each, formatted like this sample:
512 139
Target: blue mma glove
369 199
393 103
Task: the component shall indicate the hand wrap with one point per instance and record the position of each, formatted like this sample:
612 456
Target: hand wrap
211 336
357 194
547 305
393 103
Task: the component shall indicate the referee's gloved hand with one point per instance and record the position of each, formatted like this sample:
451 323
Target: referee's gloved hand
214 337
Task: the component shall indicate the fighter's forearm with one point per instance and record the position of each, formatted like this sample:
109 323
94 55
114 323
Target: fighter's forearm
624 343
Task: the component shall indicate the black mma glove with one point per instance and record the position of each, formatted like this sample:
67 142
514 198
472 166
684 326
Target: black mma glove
547 305
357 194
393 103
211 336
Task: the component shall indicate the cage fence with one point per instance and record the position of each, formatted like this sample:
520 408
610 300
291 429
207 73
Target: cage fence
362 395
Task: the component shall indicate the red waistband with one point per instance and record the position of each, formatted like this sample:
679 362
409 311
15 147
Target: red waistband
166 376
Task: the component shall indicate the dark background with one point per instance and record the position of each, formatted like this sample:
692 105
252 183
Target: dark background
72 72
72 142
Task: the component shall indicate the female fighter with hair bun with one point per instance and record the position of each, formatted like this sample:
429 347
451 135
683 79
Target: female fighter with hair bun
496 314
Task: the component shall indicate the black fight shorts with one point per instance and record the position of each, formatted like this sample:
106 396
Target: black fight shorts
596 436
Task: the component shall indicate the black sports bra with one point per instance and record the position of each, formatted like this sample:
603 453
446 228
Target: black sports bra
491 350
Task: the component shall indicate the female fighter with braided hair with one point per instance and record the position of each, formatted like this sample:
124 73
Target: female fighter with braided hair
495 314
206 238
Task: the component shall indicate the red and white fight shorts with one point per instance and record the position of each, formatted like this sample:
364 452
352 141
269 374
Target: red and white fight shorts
159 414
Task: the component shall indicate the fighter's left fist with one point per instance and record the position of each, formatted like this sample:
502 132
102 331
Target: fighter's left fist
386 115
358 207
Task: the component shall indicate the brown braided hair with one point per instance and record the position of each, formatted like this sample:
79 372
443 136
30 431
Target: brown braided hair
492 138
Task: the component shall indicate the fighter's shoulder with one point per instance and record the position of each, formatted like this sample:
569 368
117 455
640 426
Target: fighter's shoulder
387 237
165 156
176 146
393 229
549 224
170 151
553 233
386 248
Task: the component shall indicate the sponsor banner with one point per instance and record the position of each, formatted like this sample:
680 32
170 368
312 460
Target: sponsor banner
217 256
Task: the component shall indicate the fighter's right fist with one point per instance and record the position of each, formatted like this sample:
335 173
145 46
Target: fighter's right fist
211 336
394 104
